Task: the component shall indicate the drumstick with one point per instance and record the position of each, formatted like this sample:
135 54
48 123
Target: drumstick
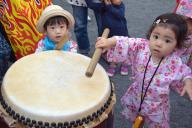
96 56
59 46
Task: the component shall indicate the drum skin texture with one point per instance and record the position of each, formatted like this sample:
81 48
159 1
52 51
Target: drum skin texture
51 87
19 18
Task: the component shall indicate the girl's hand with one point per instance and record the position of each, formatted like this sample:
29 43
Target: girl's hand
101 43
104 43
187 88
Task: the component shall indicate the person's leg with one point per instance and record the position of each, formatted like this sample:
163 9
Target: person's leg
111 69
99 22
4 56
4 34
124 69
80 14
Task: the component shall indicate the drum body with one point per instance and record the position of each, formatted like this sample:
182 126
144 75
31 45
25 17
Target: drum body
50 89
3 124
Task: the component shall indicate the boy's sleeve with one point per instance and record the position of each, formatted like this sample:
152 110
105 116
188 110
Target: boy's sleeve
116 11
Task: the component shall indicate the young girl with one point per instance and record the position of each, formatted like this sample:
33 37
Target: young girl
184 8
113 17
155 66
55 23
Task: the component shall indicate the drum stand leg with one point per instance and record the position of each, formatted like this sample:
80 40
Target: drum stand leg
3 124
110 120
107 123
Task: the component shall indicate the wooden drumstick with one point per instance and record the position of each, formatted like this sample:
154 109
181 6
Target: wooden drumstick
60 45
96 56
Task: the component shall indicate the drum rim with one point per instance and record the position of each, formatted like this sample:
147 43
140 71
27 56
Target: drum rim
75 123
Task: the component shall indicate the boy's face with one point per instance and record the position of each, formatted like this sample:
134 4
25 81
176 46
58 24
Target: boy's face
57 31
162 41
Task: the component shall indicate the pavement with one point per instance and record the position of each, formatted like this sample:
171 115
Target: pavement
139 15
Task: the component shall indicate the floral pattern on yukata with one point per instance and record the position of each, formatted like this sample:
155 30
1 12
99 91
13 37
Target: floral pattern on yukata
156 104
186 52
185 8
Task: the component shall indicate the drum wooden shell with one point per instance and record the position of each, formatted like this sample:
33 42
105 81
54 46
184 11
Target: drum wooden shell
51 89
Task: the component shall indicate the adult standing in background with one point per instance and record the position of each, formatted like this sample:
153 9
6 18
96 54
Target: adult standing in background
80 13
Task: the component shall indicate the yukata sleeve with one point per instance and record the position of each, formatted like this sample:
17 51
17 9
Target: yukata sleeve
40 47
73 46
189 53
125 50
183 72
118 53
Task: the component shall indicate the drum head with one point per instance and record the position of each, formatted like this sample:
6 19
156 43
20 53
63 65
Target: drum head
52 87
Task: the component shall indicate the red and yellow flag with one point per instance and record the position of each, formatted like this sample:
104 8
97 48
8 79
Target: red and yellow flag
19 18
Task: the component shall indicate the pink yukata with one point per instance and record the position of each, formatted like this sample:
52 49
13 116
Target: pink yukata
184 8
186 52
155 107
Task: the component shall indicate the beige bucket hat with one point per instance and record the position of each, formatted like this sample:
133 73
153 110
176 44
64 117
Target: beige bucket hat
51 11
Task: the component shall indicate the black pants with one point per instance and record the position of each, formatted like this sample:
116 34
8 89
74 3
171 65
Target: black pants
12 57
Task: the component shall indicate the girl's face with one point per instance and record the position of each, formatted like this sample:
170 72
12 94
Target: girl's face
162 42
57 31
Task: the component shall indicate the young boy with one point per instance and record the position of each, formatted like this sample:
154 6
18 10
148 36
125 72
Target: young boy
113 17
55 23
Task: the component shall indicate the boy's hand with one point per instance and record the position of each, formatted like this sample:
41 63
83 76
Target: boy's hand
107 2
187 88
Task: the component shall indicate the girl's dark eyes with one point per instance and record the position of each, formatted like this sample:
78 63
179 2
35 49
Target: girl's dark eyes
167 41
155 36
61 26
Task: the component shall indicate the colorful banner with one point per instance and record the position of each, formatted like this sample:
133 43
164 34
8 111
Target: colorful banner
19 18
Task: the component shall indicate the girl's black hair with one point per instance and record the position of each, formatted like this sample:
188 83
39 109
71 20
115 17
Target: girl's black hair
175 22
56 20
